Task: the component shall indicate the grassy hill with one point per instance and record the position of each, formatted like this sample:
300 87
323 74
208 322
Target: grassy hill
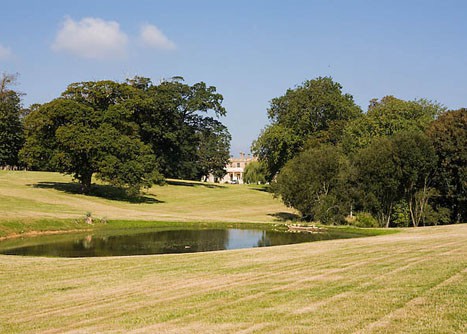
29 196
414 281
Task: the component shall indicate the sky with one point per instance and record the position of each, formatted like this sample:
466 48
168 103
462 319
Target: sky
251 51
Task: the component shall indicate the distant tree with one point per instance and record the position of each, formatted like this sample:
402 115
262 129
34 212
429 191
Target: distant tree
393 177
255 173
11 129
275 146
310 183
376 177
75 138
417 161
315 110
387 117
129 131
449 136
173 118
213 149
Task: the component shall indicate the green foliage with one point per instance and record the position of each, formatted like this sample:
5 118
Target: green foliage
316 110
255 173
11 129
449 136
275 146
310 183
365 220
376 178
401 216
174 120
128 133
387 117
213 149
417 162
436 215
394 169
74 138
329 209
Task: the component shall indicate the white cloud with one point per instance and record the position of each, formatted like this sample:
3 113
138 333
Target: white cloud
5 52
91 38
151 36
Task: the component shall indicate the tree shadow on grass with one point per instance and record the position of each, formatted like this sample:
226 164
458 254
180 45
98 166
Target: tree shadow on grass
265 189
97 190
193 184
285 216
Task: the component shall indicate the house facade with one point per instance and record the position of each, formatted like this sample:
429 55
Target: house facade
235 169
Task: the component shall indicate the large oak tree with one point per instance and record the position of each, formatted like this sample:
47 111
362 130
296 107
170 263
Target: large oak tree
75 138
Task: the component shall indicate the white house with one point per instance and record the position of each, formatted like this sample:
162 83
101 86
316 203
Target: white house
234 169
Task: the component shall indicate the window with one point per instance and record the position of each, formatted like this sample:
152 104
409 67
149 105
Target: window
238 164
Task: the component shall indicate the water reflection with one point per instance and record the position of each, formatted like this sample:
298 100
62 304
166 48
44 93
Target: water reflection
161 242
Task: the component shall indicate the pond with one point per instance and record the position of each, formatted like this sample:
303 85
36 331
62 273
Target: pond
125 243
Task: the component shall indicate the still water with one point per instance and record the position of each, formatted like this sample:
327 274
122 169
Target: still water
160 242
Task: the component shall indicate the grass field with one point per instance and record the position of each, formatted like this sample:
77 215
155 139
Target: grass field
26 197
414 281
411 282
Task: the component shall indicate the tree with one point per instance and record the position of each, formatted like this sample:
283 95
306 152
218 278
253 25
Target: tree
213 149
376 179
449 136
393 177
387 117
255 173
317 109
417 162
310 183
174 119
75 138
275 146
11 129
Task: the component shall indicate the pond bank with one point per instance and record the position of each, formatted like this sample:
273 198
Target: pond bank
164 238
40 233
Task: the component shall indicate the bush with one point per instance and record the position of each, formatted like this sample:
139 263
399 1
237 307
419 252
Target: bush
365 219
401 216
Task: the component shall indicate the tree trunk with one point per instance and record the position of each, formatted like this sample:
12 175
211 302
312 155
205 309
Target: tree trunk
412 210
388 219
85 181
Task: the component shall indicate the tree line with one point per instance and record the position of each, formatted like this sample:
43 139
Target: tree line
400 163
131 134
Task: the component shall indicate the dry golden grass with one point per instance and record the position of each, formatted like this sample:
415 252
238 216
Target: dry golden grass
411 282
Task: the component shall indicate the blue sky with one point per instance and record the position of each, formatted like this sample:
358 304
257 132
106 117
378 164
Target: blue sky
252 51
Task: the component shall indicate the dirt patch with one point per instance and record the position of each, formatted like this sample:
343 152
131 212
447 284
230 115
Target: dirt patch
39 233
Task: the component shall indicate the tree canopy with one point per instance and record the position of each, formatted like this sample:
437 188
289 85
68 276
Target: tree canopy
403 162
307 112
129 134
310 181
72 137
11 129
176 120
255 172
387 117
449 136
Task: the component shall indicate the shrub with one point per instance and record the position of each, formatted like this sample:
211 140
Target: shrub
365 219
